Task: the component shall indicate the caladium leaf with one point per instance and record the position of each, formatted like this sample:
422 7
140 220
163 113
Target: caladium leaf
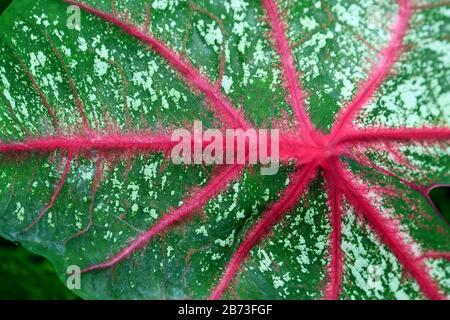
359 91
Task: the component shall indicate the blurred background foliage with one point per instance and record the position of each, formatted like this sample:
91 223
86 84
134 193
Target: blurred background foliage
4 4
24 275
441 198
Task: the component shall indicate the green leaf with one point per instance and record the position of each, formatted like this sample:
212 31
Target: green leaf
100 81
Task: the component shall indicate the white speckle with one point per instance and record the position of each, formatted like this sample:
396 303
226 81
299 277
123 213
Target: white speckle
216 256
227 242
165 104
202 230
401 295
134 191
240 214
82 44
103 52
213 35
160 4
100 67
37 60
88 174
19 212
153 213
277 282
265 261
227 82
308 23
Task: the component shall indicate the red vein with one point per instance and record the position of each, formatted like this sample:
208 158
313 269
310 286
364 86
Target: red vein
296 97
95 184
291 195
193 76
148 17
41 95
389 233
196 8
73 87
366 162
56 192
289 149
387 58
436 255
124 91
199 199
395 134
14 115
431 5
423 190
76 144
336 266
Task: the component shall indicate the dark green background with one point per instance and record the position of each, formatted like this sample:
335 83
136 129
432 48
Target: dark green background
24 275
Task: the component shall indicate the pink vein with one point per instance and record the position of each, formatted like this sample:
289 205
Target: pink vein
389 233
423 190
193 76
41 95
73 87
56 193
296 97
76 144
95 184
436 255
336 266
199 199
290 148
396 134
299 182
387 59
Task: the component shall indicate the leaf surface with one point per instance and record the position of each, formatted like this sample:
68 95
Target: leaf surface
359 91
